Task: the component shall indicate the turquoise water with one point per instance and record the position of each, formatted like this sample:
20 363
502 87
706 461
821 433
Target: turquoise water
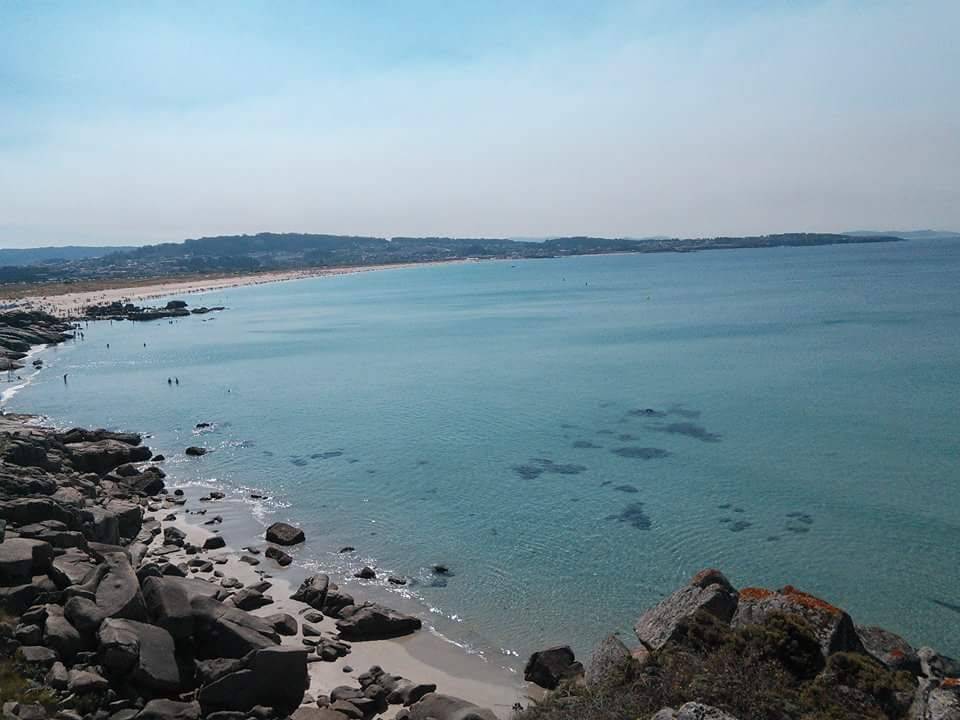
805 430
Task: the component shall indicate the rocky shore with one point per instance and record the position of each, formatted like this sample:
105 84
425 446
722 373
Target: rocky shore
710 651
114 607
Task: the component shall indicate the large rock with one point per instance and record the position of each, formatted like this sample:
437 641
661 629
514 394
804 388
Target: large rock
307 712
169 710
27 510
102 456
608 662
60 634
118 593
283 534
21 559
227 632
375 622
436 706
83 614
144 652
274 677
547 668
313 591
129 517
889 649
168 604
693 711
71 568
708 590
832 627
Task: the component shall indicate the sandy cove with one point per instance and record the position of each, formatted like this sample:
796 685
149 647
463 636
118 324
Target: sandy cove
421 657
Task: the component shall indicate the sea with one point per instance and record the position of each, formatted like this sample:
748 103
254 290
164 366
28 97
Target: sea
572 438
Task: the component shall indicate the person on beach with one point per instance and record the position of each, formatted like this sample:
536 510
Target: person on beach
65 378
177 380
169 381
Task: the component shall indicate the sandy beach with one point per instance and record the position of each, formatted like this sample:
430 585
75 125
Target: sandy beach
422 657
66 300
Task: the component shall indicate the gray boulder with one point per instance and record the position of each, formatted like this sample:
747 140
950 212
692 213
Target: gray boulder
168 604
708 590
118 593
274 677
282 533
70 568
313 591
693 711
60 635
21 559
169 710
889 649
85 681
436 706
547 668
282 623
607 663
372 621
144 652
833 628
227 632
83 614
102 456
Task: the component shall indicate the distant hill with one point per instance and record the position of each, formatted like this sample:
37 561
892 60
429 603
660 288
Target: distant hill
233 254
908 234
18 257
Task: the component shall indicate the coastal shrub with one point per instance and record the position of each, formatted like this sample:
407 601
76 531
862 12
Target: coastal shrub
15 686
770 671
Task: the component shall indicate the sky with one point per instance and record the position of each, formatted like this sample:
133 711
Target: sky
141 122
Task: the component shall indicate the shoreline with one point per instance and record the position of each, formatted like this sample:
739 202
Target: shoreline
426 656
421 657
62 300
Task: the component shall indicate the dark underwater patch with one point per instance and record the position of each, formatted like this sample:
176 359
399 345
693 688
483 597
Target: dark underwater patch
604 432
326 455
626 437
740 525
633 515
626 489
689 429
528 472
585 444
299 461
803 517
945 605
555 468
641 453
681 411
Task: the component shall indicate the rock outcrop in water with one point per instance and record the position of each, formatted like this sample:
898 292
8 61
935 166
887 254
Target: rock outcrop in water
709 651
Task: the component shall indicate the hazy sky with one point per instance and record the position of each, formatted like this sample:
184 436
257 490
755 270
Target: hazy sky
139 122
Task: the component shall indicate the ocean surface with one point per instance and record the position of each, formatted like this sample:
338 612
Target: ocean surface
574 438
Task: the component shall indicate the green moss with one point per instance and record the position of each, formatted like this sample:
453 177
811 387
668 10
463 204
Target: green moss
15 686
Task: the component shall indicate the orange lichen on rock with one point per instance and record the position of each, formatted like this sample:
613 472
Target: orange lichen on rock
809 601
951 683
755 593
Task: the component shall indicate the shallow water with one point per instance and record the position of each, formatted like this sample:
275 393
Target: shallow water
574 438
